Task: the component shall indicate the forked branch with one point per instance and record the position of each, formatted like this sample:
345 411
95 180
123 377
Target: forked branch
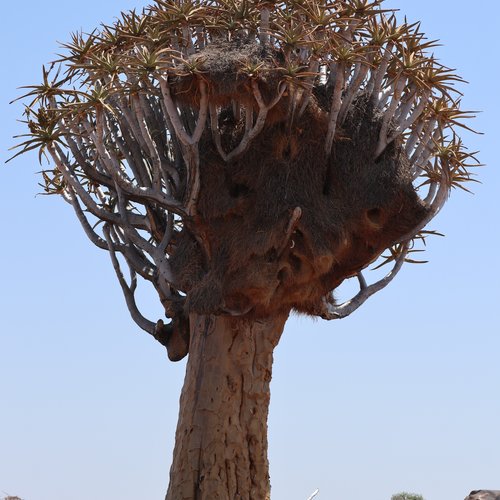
330 310
128 290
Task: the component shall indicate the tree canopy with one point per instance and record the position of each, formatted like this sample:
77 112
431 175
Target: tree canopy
246 157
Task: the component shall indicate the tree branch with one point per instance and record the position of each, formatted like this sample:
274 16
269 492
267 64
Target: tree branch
331 311
128 291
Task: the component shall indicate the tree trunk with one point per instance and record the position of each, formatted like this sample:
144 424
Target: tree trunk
221 439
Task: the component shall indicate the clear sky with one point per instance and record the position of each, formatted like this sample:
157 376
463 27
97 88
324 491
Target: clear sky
403 395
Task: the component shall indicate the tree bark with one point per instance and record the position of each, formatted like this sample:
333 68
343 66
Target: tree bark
221 439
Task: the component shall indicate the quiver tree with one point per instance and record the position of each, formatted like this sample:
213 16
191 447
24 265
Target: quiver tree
245 158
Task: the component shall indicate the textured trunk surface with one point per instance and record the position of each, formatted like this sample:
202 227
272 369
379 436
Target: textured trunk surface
221 439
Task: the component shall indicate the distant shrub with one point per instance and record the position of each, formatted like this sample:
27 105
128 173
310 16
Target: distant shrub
407 496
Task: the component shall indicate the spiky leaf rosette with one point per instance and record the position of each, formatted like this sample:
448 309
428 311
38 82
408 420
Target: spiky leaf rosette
246 157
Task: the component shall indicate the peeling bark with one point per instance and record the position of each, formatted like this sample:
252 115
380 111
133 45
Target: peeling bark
221 439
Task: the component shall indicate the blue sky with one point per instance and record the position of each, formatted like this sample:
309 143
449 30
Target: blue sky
403 395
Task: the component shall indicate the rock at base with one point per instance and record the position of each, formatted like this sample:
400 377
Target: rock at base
484 495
